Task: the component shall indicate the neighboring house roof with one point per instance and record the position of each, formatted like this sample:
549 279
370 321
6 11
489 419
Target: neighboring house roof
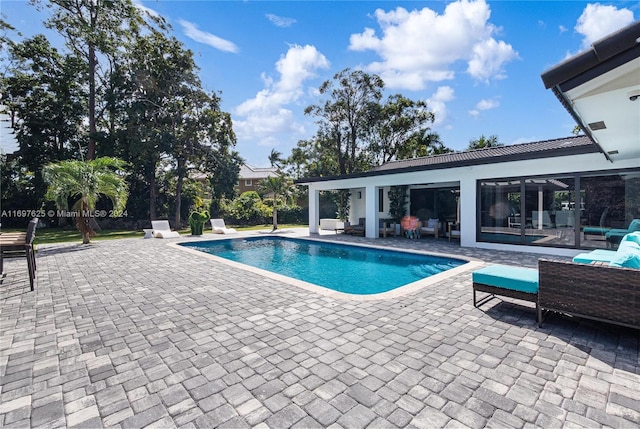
249 172
600 88
575 145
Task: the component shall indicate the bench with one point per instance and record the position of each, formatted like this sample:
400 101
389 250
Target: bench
513 282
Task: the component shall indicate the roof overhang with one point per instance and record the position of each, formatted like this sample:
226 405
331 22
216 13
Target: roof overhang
601 90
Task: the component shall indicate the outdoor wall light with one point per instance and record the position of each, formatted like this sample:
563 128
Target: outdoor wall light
634 95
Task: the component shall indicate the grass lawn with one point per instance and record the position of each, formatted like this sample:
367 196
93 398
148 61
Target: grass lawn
58 235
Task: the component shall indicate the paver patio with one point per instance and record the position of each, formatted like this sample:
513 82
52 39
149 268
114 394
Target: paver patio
134 333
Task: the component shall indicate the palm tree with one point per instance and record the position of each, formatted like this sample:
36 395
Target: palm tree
484 142
275 158
85 182
279 188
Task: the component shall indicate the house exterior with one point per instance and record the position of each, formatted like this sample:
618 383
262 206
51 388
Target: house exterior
555 196
249 177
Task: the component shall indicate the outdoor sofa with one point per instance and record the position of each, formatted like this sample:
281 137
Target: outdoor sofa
614 236
605 288
600 285
358 229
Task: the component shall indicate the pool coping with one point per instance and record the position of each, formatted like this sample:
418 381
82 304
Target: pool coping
409 288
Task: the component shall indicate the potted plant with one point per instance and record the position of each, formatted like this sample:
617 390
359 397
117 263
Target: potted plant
197 219
397 205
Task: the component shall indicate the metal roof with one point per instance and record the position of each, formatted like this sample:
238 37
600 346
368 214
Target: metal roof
249 172
575 145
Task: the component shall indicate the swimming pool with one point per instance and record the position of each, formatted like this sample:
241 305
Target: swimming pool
339 267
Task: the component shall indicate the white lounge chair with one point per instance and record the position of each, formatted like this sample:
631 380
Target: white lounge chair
219 227
161 229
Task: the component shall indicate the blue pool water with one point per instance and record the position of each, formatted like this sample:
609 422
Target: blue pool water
344 268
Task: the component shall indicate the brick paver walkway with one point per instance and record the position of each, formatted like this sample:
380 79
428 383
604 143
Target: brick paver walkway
134 333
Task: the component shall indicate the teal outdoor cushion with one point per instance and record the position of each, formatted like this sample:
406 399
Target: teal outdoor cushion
599 255
595 230
627 255
507 277
632 236
634 225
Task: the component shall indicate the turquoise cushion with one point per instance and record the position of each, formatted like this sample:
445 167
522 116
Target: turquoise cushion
616 232
595 230
599 255
507 277
634 225
632 236
627 255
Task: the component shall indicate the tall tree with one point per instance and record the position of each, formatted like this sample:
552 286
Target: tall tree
41 88
484 142
346 116
399 121
85 182
94 30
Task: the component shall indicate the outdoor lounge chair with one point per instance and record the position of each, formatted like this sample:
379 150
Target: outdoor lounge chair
614 236
18 244
219 227
598 231
161 229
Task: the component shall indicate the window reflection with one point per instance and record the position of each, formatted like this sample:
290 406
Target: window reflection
550 211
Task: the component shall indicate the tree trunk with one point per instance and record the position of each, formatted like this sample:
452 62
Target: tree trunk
91 150
181 174
275 216
152 196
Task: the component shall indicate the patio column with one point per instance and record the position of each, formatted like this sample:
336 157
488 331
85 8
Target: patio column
540 206
314 210
371 209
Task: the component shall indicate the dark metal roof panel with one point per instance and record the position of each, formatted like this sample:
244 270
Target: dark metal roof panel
494 154
601 51
567 146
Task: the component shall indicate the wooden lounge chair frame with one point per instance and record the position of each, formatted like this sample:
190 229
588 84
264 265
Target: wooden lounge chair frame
12 244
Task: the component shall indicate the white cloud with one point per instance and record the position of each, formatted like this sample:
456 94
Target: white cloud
266 114
422 46
598 21
437 103
192 31
563 29
280 21
484 105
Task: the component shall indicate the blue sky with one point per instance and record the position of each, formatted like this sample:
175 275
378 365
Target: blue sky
476 63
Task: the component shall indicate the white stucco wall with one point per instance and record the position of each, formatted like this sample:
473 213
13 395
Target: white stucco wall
467 177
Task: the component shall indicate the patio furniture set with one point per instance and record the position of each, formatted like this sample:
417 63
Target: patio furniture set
601 285
414 229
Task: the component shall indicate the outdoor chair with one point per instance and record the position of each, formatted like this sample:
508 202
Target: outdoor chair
161 229
432 227
19 244
454 230
598 231
614 236
386 228
218 226
358 229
